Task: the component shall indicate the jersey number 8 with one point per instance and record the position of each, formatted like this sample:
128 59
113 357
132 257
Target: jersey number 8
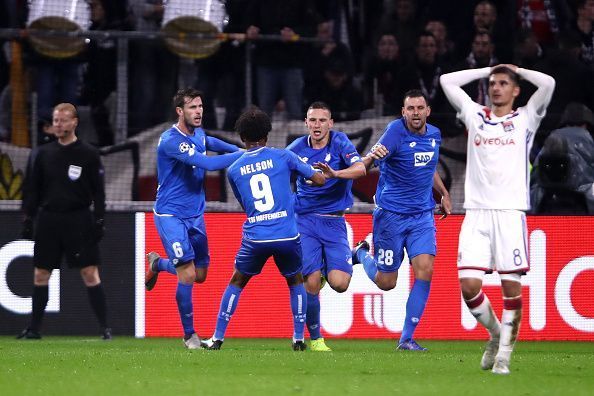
262 192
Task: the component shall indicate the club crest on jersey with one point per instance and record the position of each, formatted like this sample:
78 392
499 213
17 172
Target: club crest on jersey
422 159
74 172
327 158
432 142
508 126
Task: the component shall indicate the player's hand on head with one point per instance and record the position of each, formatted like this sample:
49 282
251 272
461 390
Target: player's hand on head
326 169
378 152
513 68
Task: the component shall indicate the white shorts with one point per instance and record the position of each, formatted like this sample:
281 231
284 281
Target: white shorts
494 240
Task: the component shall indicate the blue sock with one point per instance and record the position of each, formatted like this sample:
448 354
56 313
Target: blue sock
298 308
183 295
165 265
313 316
369 264
417 299
228 305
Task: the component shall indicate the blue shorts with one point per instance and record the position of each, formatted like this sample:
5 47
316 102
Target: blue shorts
252 256
392 232
325 244
184 239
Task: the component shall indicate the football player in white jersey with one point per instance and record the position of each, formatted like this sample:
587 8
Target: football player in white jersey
494 233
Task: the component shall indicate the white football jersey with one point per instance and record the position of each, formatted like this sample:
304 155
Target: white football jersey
497 166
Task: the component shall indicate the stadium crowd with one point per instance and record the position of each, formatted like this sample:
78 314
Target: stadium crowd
368 55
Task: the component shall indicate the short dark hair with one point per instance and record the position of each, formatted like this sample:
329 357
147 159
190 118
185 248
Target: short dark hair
320 105
179 99
415 93
424 33
253 125
506 70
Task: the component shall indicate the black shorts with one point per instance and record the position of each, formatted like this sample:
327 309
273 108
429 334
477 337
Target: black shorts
65 234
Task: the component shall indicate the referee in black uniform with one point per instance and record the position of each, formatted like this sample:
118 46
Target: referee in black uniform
64 178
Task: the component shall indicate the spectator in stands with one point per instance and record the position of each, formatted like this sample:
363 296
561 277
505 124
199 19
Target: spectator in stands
153 69
575 82
527 50
481 55
339 93
546 18
584 25
381 76
100 75
423 74
445 47
224 72
322 54
278 64
485 18
563 173
402 21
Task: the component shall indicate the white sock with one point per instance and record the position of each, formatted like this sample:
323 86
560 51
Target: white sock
510 328
480 307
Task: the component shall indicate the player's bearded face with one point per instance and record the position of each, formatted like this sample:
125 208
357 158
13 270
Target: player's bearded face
193 112
318 122
416 111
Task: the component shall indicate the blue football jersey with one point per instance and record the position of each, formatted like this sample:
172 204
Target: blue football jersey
406 174
261 182
181 164
336 194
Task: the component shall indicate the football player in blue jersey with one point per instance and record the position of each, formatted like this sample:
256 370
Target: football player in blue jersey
320 211
403 217
179 207
261 182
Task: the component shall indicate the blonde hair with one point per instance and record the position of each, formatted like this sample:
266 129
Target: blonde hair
67 107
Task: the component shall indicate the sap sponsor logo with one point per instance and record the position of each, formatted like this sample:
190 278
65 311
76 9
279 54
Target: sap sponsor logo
422 159
480 140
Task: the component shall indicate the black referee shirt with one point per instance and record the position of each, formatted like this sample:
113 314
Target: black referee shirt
64 179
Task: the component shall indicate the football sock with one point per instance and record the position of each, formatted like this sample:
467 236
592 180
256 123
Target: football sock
40 297
298 306
183 296
226 310
165 265
480 307
415 305
98 303
313 316
369 264
510 326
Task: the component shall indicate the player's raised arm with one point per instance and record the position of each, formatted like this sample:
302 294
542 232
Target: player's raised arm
452 84
540 99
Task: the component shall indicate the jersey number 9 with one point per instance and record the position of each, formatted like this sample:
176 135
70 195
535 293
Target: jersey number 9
262 192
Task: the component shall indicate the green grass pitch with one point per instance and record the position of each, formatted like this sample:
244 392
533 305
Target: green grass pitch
128 366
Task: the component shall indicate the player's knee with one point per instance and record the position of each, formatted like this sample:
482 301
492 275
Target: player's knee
90 276
200 278
340 287
386 284
469 289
